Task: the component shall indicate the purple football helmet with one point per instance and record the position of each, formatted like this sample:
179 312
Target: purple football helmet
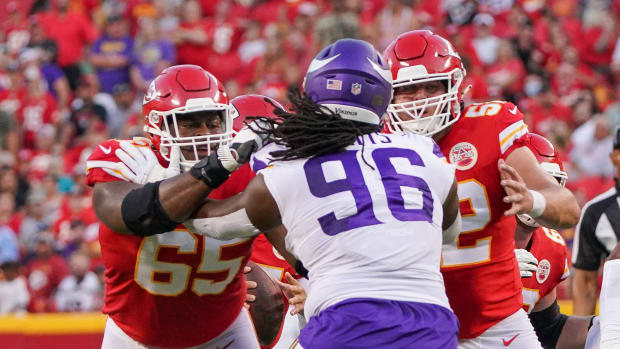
350 78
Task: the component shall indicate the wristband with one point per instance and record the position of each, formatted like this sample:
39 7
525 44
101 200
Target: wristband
538 205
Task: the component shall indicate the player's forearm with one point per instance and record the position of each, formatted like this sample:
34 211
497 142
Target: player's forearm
561 210
584 292
574 333
180 196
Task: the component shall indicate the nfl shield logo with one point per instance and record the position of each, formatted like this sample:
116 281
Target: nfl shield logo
356 88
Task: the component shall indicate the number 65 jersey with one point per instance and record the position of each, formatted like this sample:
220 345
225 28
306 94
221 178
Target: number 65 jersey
365 222
480 270
175 289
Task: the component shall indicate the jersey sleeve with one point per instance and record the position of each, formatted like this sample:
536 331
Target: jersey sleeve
511 129
100 162
587 250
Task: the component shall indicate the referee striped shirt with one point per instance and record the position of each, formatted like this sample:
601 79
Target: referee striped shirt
598 230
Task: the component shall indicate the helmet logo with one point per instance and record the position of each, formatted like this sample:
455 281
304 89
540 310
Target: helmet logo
154 119
356 88
317 64
463 156
333 84
151 93
543 271
234 112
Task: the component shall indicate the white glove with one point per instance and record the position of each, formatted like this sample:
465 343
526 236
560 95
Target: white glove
143 164
247 141
528 264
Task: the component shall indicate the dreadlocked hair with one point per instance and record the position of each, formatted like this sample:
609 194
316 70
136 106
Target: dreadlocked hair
309 129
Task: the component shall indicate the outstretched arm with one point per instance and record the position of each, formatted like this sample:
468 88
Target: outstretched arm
178 197
159 205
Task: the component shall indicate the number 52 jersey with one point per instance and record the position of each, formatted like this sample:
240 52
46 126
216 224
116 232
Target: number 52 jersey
480 270
366 222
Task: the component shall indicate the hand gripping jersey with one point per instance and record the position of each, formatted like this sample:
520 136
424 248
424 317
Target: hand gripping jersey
175 289
548 246
480 270
365 222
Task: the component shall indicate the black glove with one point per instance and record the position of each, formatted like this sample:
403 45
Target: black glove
215 169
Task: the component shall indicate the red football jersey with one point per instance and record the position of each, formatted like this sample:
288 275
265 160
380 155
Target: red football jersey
175 289
549 248
480 270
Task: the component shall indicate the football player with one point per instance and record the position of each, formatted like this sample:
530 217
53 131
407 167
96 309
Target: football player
364 212
547 251
484 141
263 253
166 286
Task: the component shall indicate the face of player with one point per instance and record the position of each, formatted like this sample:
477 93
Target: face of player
196 124
420 91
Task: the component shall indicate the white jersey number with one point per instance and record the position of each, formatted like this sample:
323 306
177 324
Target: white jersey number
473 196
171 279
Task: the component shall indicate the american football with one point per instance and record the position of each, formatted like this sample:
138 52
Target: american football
269 308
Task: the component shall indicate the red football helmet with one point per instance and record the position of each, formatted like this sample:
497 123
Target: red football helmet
184 89
547 156
421 56
549 160
251 105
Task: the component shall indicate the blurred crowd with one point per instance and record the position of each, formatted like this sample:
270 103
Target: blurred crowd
73 72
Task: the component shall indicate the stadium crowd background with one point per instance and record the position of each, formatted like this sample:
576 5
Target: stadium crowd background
73 72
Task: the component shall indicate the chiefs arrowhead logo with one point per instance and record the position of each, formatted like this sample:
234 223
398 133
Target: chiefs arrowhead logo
151 93
543 271
463 156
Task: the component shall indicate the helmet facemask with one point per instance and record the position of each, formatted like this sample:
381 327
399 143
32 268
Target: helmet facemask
166 126
409 116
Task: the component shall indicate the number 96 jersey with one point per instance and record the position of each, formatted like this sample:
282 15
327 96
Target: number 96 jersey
480 270
175 289
365 222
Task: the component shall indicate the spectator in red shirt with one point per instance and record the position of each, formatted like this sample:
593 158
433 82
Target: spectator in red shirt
10 97
506 76
44 273
72 31
224 36
599 38
15 29
275 66
394 19
540 105
191 36
37 106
